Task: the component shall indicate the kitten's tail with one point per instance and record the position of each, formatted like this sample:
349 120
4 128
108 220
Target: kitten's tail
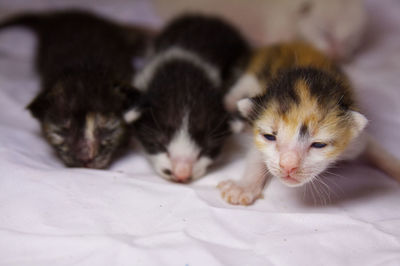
382 159
29 20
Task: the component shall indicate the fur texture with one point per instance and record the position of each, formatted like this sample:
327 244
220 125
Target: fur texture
303 119
184 124
84 62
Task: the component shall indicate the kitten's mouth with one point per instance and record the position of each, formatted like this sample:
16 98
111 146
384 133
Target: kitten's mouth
96 165
182 181
290 180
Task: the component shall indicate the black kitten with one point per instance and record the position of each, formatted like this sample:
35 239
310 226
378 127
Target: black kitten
185 124
85 65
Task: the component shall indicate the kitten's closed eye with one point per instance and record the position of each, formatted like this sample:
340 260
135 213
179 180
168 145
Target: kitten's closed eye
56 138
318 145
56 133
106 142
269 137
108 136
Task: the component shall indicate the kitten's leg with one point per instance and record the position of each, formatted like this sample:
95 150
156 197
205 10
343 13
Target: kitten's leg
246 86
249 188
382 159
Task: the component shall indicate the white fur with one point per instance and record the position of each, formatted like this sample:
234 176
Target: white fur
246 87
146 75
250 187
181 147
266 158
160 161
132 115
90 127
313 160
200 167
245 106
237 125
360 121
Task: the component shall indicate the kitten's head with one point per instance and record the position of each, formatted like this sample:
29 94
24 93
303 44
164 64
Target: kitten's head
302 124
334 27
184 124
84 124
181 148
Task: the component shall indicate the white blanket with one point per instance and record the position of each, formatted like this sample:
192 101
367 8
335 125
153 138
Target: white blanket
52 215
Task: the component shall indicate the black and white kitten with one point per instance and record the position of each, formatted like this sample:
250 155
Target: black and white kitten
184 124
85 66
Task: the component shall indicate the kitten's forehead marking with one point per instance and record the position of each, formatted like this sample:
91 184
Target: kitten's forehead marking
303 131
301 120
90 127
182 144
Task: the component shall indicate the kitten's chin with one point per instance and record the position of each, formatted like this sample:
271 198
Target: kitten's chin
97 164
164 167
291 181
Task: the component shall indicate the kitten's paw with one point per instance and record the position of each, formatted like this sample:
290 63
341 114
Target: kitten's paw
236 194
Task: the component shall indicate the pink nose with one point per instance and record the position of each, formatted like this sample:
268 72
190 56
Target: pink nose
182 171
289 162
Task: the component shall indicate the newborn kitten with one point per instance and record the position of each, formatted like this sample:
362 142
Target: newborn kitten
335 27
184 124
84 63
303 117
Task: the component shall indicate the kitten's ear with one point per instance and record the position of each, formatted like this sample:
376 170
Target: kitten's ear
39 105
132 115
133 103
245 107
360 122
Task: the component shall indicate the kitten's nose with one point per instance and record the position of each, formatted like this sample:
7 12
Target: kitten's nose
289 161
182 171
86 152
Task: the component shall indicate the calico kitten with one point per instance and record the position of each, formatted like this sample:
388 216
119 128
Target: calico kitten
184 124
84 63
303 117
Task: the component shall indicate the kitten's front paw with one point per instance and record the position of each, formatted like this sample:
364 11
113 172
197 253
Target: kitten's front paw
236 194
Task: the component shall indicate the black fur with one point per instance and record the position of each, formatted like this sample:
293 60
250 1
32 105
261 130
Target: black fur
210 37
181 88
303 131
329 89
85 66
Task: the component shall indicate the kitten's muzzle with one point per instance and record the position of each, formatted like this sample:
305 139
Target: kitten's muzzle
86 153
182 170
289 162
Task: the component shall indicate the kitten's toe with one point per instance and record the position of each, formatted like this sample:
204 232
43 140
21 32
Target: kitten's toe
224 185
236 194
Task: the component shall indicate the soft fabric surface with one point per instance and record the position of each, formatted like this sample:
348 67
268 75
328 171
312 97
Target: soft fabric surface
52 215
